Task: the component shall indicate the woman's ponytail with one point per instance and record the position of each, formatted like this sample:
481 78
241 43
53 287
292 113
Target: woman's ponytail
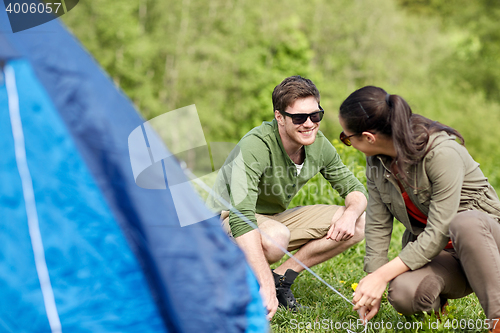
400 116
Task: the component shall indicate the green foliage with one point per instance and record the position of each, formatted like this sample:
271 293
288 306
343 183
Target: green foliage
226 57
473 62
466 76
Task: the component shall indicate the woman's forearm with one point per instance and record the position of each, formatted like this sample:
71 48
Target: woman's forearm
392 269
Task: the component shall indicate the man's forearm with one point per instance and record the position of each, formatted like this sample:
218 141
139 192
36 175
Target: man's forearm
355 203
251 244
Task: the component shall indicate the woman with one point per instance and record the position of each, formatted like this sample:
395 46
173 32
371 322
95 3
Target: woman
419 174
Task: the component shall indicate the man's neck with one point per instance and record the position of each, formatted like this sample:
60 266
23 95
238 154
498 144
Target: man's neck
295 151
299 156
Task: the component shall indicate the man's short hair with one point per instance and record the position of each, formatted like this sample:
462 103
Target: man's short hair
291 89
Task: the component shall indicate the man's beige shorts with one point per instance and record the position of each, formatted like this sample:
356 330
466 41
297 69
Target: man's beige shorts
304 222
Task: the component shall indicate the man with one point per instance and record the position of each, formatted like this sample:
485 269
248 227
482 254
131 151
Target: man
262 175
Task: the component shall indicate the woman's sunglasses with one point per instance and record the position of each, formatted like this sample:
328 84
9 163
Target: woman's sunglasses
300 118
346 138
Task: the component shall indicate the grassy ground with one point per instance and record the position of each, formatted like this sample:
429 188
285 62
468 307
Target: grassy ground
328 312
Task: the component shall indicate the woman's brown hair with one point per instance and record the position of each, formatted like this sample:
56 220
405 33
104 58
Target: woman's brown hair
372 109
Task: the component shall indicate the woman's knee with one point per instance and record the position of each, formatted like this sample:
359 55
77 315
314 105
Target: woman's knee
409 297
467 220
400 295
467 223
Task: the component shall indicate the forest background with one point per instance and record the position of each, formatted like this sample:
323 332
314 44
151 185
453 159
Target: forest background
226 56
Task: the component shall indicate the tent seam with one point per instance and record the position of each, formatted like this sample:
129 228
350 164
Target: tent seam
30 202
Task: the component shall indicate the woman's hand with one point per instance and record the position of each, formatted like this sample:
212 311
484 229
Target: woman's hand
368 312
369 291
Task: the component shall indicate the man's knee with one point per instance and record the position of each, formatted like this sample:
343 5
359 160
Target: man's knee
408 298
359 232
275 237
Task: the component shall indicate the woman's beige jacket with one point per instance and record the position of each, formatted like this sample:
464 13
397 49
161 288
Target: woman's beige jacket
447 181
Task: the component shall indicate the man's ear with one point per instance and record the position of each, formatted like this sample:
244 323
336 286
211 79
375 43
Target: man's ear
370 137
279 118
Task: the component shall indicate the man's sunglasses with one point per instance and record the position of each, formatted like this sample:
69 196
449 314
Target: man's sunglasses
346 138
300 118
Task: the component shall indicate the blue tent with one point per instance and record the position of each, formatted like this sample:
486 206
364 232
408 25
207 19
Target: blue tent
82 247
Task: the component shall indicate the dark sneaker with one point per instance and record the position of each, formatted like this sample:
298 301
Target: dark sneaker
283 291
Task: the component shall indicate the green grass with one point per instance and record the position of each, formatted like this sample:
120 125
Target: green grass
327 310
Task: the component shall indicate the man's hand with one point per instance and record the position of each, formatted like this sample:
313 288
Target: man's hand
251 244
268 294
343 228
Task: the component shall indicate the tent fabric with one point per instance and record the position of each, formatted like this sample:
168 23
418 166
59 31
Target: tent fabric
6 50
85 250
117 257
